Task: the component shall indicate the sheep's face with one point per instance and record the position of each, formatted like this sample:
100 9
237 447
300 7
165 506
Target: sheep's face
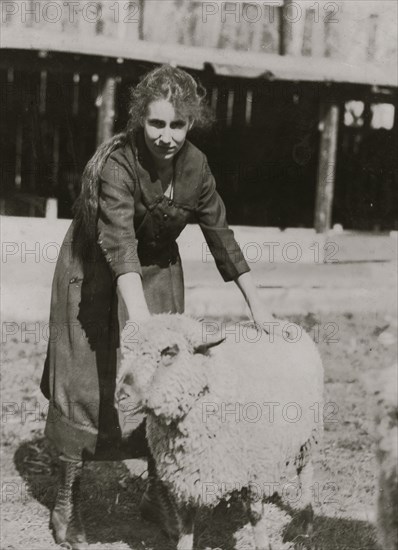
141 359
159 371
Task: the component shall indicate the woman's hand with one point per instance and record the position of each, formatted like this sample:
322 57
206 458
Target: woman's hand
130 287
264 320
261 317
275 328
132 293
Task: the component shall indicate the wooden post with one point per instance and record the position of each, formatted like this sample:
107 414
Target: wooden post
373 31
51 209
329 123
292 28
318 37
141 13
130 25
106 112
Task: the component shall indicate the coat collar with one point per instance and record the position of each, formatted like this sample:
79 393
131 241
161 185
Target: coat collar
188 164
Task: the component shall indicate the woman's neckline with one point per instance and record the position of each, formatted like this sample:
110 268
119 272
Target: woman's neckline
167 176
169 192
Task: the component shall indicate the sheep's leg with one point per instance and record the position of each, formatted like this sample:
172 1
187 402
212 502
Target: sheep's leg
169 517
306 476
187 519
258 521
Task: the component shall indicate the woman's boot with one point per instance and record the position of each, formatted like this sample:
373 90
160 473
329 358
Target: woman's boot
65 518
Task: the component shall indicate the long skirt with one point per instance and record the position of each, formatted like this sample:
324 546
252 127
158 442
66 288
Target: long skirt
83 355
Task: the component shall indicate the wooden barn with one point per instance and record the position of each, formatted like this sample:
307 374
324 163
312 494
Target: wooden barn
304 93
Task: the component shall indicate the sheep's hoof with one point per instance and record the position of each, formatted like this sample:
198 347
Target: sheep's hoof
307 520
301 526
185 542
150 510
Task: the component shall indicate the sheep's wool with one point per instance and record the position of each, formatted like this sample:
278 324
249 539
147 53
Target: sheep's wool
243 415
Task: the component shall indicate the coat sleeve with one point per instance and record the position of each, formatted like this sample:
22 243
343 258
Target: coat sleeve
116 235
211 216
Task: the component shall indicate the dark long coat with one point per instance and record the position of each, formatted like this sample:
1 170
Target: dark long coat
137 231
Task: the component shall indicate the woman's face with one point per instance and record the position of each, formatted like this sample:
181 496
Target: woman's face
165 130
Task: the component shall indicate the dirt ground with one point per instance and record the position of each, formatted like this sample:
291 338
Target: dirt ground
353 348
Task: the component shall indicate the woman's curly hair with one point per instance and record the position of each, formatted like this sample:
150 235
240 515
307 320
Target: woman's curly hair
165 82
187 96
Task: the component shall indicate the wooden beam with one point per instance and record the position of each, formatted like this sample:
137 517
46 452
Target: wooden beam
231 63
106 111
329 123
61 63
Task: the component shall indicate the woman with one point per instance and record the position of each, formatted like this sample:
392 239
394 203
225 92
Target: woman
119 261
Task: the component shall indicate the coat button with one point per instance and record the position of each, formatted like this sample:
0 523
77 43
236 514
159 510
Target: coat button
73 280
157 236
165 216
109 260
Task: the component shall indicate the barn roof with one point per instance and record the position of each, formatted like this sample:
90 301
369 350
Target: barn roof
225 62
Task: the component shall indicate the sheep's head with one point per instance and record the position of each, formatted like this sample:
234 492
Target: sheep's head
163 368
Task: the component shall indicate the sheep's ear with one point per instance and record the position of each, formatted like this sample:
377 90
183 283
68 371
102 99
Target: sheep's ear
205 346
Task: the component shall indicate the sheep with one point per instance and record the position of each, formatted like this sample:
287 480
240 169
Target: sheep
386 424
225 415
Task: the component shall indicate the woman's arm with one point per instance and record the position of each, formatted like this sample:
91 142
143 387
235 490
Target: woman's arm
229 258
130 287
211 216
249 290
116 235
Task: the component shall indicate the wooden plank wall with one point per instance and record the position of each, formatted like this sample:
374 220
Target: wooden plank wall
354 31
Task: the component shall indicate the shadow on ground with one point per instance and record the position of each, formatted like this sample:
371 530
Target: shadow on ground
111 499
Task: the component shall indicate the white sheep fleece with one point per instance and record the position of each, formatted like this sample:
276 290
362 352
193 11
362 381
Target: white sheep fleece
386 431
210 425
